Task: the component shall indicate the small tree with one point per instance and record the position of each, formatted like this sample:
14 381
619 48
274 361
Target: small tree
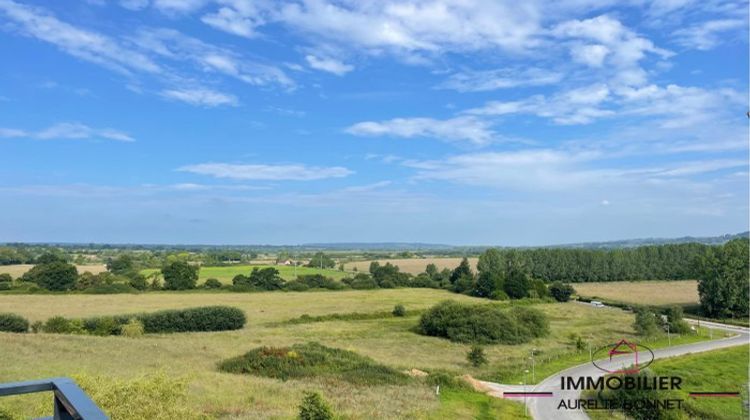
645 322
476 356
57 276
123 264
321 260
313 407
399 310
561 291
517 284
179 275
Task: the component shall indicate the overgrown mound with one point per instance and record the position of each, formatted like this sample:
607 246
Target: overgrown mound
312 359
483 324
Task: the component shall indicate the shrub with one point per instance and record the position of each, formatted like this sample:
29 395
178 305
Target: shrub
212 284
208 318
319 281
313 407
476 356
134 328
138 281
312 359
5 285
561 291
13 323
483 324
109 289
263 279
363 281
60 325
399 310
645 322
56 276
5 277
179 275
37 326
499 295
296 286
106 325
446 381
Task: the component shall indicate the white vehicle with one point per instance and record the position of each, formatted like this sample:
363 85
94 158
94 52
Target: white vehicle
597 304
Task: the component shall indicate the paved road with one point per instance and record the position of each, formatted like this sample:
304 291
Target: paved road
545 408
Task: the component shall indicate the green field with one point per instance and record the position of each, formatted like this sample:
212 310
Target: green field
225 274
387 340
719 370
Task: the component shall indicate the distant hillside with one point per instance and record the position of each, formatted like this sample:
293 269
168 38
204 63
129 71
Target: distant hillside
629 243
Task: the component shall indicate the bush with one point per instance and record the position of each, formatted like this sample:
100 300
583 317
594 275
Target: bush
313 407
447 381
5 277
134 328
499 295
312 359
319 281
561 291
483 324
296 286
399 310
13 323
179 275
645 322
37 326
5 285
60 325
109 289
106 325
212 284
56 276
363 281
208 318
263 279
138 281
476 356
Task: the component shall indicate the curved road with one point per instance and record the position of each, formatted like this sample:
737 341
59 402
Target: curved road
544 408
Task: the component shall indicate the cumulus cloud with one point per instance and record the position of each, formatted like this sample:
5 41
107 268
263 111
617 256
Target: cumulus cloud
487 80
295 172
329 65
458 129
68 130
201 97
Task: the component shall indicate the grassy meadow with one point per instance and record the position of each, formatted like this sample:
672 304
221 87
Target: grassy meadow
389 340
647 292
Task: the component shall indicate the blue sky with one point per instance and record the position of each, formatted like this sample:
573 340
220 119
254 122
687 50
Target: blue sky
459 122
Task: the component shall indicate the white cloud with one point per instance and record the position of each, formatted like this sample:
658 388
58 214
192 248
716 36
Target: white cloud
68 130
236 17
328 64
201 97
707 35
592 55
480 81
87 45
179 6
458 129
295 172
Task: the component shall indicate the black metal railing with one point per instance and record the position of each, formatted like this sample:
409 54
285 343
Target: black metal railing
70 402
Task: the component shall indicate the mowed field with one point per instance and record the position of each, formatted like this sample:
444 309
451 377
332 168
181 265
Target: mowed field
412 265
642 292
225 274
194 356
17 270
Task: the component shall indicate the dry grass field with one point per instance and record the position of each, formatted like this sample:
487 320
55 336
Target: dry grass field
412 265
17 270
642 292
391 341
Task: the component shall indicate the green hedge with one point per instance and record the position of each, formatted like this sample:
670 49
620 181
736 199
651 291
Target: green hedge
13 323
483 324
208 318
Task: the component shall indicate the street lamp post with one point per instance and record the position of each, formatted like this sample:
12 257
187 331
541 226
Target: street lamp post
533 370
669 337
525 380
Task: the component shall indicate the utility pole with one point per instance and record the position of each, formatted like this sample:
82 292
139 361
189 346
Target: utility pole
533 370
669 337
525 405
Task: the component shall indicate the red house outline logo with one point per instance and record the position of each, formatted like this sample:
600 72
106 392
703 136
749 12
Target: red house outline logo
625 347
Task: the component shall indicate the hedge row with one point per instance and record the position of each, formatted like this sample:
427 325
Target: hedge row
13 323
208 318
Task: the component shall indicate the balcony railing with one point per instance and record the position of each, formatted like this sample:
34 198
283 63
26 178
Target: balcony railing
70 402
